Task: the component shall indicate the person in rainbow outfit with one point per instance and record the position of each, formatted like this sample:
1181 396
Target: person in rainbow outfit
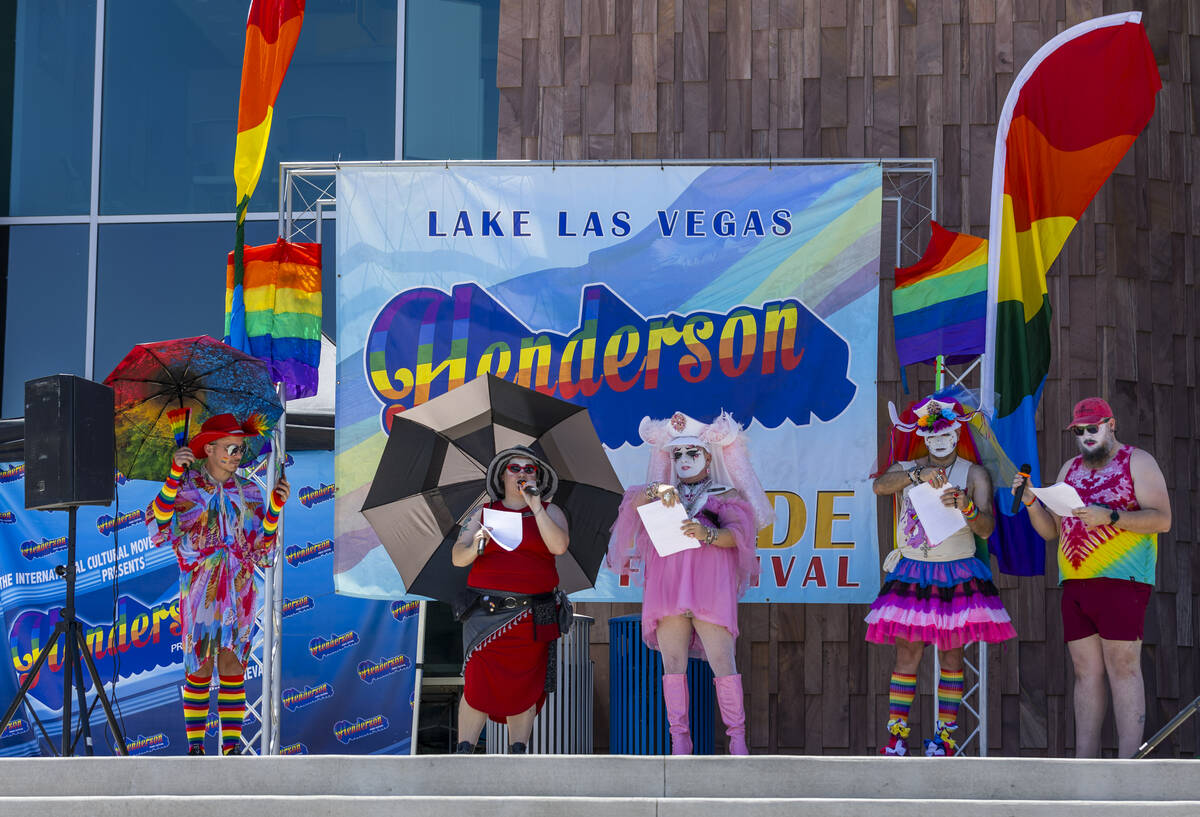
938 593
220 529
1107 555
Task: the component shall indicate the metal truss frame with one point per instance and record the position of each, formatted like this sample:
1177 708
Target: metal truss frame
308 195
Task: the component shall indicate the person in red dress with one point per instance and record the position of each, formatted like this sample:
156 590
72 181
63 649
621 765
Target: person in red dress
510 610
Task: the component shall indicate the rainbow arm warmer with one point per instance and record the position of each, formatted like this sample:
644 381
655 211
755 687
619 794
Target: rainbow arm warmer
164 503
271 520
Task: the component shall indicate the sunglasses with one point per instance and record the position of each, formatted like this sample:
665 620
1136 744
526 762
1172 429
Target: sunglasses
691 452
234 450
513 468
1092 429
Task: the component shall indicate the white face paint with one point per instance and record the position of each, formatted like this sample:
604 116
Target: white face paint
942 445
689 462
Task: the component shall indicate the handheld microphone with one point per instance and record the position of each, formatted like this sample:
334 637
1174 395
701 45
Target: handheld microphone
1020 491
530 490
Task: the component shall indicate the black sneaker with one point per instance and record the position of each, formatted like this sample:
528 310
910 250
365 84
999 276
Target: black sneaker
465 748
195 750
517 749
232 750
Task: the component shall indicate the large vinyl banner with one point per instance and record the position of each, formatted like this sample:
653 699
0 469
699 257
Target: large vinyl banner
632 290
348 664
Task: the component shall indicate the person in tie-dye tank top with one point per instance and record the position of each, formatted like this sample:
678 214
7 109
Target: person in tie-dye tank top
1107 551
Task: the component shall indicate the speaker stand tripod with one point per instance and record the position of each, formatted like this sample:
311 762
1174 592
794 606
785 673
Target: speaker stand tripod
74 646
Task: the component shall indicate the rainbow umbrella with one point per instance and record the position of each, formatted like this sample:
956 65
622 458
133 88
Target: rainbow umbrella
200 375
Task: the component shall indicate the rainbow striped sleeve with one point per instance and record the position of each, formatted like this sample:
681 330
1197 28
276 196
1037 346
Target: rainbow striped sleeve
164 503
939 305
271 519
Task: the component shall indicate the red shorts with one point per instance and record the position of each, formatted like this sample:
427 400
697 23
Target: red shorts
1114 608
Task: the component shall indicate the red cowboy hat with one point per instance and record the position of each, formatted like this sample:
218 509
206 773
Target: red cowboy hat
223 425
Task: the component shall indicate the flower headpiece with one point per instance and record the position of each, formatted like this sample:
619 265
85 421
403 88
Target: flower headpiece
933 417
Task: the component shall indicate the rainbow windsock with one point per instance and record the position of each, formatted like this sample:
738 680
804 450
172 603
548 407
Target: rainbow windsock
179 425
282 286
1074 110
272 30
939 305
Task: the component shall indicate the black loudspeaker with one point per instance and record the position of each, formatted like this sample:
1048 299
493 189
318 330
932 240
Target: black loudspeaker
68 443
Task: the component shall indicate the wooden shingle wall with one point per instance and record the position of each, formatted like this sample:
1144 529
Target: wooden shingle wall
612 79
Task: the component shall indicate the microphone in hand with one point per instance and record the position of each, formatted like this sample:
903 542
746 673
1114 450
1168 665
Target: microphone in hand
1017 501
529 490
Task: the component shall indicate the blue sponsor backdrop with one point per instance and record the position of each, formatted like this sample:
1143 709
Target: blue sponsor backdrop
348 664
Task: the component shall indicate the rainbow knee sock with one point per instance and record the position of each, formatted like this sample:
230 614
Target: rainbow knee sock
901 691
195 709
950 693
231 708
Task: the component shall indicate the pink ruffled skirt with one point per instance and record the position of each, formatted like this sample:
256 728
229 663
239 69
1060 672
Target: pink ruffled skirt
949 604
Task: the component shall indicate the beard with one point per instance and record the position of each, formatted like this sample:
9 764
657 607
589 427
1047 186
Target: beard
1098 455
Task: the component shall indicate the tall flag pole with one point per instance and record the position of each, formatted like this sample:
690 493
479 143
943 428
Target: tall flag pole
272 30
1073 112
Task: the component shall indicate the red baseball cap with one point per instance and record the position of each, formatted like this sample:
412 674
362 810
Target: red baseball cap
1090 410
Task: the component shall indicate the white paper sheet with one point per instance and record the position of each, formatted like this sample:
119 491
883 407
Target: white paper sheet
937 520
663 523
1060 497
503 526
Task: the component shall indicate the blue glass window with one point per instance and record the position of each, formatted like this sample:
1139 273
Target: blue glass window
450 98
162 281
45 327
172 74
53 74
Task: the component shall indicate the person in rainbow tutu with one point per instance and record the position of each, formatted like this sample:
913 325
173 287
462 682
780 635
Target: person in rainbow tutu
938 593
690 598
221 528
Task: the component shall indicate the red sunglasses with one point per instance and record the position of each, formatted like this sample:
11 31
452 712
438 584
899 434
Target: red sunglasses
513 468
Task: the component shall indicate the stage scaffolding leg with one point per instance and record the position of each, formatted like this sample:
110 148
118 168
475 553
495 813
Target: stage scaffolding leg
266 652
975 695
420 675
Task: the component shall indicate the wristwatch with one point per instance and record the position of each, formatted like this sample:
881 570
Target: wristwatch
1113 516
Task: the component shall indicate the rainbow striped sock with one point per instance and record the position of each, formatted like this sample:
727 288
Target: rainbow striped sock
195 708
231 705
949 693
901 692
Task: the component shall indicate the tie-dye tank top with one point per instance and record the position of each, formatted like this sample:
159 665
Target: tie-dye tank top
1105 551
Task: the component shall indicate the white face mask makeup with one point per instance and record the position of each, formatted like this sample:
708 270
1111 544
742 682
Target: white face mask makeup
942 445
689 461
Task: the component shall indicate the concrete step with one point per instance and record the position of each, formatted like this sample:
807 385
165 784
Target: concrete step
483 784
516 806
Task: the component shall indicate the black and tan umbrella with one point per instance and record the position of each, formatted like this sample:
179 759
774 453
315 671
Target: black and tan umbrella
433 474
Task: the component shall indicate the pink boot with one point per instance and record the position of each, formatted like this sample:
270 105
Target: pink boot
675 694
729 699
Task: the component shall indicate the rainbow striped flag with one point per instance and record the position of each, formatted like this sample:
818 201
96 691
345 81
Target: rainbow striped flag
282 288
939 305
1073 112
179 419
272 30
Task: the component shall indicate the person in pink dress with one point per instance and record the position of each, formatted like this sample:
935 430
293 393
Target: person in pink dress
690 598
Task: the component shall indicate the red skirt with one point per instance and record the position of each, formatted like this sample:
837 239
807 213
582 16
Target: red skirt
506 674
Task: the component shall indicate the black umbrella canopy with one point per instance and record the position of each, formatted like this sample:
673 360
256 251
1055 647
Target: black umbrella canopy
433 474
